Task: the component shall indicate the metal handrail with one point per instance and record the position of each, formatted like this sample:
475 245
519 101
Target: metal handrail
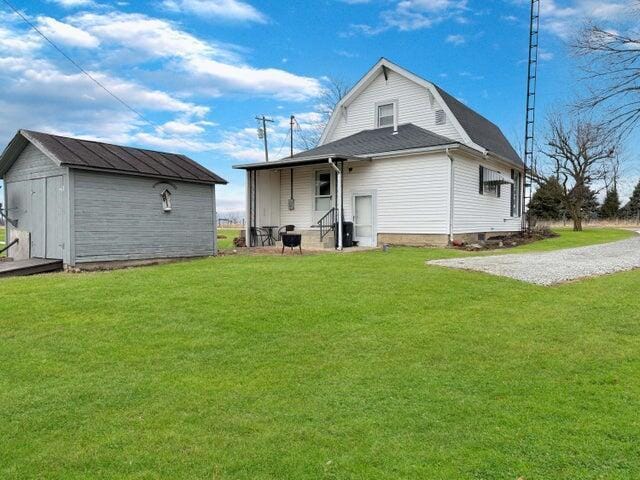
9 246
327 223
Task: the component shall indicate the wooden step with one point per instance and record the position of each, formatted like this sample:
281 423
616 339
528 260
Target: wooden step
30 266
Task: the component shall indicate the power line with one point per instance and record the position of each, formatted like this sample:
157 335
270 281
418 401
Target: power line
95 80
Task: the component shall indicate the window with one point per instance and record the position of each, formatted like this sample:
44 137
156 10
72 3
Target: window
489 182
323 191
516 193
441 117
166 200
386 115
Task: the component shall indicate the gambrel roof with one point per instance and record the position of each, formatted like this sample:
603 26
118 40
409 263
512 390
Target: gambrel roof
475 130
106 157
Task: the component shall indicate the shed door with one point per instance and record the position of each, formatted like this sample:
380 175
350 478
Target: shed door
54 238
37 217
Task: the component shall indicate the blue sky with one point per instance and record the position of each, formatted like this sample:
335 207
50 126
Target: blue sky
201 70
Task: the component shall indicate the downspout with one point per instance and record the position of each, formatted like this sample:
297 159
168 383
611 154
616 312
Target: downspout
339 195
451 194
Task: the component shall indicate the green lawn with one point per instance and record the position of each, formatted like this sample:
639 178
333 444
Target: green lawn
230 234
364 365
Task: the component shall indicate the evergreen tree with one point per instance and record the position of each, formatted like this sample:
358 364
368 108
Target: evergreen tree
632 208
611 205
546 202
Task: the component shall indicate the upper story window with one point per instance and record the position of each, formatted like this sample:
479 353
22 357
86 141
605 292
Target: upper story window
441 117
386 115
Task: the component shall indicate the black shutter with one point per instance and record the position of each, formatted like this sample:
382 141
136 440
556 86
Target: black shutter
498 190
513 193
481 186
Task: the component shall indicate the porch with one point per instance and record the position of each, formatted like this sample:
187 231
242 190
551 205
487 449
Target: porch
305 196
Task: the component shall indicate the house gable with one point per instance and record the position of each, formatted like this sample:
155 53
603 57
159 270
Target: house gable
415 104
419 102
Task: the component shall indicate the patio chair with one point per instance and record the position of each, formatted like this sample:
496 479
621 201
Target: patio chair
285 229
259 235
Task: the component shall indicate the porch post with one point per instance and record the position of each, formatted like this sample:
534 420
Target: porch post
339 195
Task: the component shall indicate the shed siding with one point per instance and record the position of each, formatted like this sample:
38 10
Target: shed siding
120 217
31 164
415 105
475 213
36 199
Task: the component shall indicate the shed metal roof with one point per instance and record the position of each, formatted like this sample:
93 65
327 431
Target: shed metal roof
100 156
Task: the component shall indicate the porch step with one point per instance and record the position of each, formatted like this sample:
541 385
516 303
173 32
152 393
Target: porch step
311 239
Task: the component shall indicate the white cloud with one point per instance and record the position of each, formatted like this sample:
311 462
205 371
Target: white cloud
73 3
214 69
410 15
218 9
66 34
562 20
456 39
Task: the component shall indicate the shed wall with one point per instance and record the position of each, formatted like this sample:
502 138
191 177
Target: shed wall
120 217
35 197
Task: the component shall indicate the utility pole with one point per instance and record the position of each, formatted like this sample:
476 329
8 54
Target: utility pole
262 133
292 120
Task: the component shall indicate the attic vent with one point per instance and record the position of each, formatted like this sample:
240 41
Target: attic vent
441 117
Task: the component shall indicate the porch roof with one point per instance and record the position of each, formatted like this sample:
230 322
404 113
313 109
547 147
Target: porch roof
363 145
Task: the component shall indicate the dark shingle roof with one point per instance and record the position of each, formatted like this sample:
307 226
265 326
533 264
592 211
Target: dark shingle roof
482 131
379 140
74 152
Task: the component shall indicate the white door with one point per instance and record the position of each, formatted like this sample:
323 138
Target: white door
363 227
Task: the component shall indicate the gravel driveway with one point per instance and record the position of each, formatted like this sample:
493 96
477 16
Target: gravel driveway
549 268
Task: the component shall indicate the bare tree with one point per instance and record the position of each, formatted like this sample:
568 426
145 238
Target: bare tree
580 154
611 62
335 90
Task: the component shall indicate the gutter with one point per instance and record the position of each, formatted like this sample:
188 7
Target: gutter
451 194
339 188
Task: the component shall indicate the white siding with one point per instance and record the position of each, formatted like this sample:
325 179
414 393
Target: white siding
268 197
415 105
303 193
411 192
474 212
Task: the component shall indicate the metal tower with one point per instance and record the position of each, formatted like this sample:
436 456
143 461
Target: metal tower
532 72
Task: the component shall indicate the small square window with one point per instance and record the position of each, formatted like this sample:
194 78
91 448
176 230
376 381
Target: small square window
386 115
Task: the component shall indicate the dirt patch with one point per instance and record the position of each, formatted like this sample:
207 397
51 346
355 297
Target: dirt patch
502 242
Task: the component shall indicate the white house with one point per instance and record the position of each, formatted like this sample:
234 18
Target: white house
403 160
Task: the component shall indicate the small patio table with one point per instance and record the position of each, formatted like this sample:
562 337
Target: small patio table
271 239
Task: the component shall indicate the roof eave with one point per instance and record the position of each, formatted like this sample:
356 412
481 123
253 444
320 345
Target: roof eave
297 161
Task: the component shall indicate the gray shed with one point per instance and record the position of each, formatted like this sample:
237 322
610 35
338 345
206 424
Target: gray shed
83 201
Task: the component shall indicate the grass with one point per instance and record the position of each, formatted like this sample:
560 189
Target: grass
230 234
568 239
363 365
